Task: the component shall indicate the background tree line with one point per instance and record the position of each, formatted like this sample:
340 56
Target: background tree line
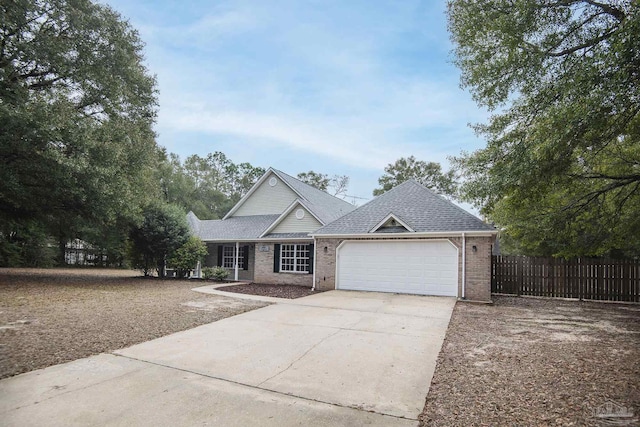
560 174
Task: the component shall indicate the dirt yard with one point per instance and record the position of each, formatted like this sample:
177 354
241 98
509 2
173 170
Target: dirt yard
54 316
537 362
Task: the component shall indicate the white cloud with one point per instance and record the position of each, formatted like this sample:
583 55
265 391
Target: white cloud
322 81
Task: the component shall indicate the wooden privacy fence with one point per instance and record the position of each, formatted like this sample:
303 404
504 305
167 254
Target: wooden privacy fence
580 278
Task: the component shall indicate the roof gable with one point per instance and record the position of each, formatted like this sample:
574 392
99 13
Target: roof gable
419 208
391 223
269 196
296 219
265 199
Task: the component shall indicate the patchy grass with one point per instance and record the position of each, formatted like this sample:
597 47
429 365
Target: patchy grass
536 362
54 316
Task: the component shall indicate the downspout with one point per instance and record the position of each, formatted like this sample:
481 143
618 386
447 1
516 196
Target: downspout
464 263
236 261
315 255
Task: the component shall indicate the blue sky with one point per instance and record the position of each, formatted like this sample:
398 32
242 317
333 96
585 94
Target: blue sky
339 87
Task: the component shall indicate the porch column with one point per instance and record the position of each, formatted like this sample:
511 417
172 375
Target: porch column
235 261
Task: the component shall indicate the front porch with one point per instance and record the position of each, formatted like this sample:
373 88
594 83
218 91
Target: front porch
285 262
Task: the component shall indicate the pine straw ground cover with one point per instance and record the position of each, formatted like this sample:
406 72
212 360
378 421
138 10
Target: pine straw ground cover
278 291
536 362
54 316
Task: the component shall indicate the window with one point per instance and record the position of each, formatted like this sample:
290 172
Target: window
294 258
228 257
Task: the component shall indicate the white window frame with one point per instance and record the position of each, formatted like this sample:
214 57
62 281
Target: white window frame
229 257
292 261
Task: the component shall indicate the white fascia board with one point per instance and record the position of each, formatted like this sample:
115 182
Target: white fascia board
308 209
282 216
286 212
259 240
387 218
286 239
262 179
249 193
285 181
486 233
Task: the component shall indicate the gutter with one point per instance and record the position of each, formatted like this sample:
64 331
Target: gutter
409 235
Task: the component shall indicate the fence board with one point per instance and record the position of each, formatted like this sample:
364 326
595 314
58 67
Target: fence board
579 278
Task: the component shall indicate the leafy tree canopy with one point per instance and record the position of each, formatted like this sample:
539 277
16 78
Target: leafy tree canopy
209 186
561 170
187 256
428 174
336 185
163 230
76 108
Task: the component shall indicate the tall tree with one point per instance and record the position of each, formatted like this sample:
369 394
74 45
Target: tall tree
561 169
76 107
315 179
162 231
209 186
428 174
339 185
336 185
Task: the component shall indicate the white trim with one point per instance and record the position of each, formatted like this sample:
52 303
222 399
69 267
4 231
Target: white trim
295 258
265 240
235 261
286 213
337 270
387 218
253 189
487 233
315 257
300 213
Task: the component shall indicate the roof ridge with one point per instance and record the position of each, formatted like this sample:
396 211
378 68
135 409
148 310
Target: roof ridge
445 199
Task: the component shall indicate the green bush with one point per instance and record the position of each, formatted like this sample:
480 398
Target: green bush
220 273
187 256
207 273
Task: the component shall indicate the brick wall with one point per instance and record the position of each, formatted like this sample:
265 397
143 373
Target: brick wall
478 279
264 270
478 270
326 263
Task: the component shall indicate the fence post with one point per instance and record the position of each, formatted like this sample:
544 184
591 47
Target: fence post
519 267
581 281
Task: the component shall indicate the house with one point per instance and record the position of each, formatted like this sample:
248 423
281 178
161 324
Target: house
408 240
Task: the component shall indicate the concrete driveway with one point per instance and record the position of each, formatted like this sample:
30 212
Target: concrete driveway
336 358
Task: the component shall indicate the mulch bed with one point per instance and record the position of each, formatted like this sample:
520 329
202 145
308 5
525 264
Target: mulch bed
539 362
278 291
54 316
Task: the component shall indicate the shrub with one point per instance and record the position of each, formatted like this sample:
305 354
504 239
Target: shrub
207 273
187 256
220 273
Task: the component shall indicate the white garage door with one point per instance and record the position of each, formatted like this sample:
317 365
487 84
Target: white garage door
425 268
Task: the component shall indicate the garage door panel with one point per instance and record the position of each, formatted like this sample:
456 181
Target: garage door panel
417 267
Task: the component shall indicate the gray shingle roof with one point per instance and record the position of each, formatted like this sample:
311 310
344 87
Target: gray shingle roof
234 228
422 209
325 206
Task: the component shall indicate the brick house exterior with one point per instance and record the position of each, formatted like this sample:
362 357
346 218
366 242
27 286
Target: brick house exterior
408 240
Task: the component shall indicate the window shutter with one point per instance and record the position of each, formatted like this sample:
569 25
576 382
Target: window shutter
276 258
311 255
246 258
219 255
